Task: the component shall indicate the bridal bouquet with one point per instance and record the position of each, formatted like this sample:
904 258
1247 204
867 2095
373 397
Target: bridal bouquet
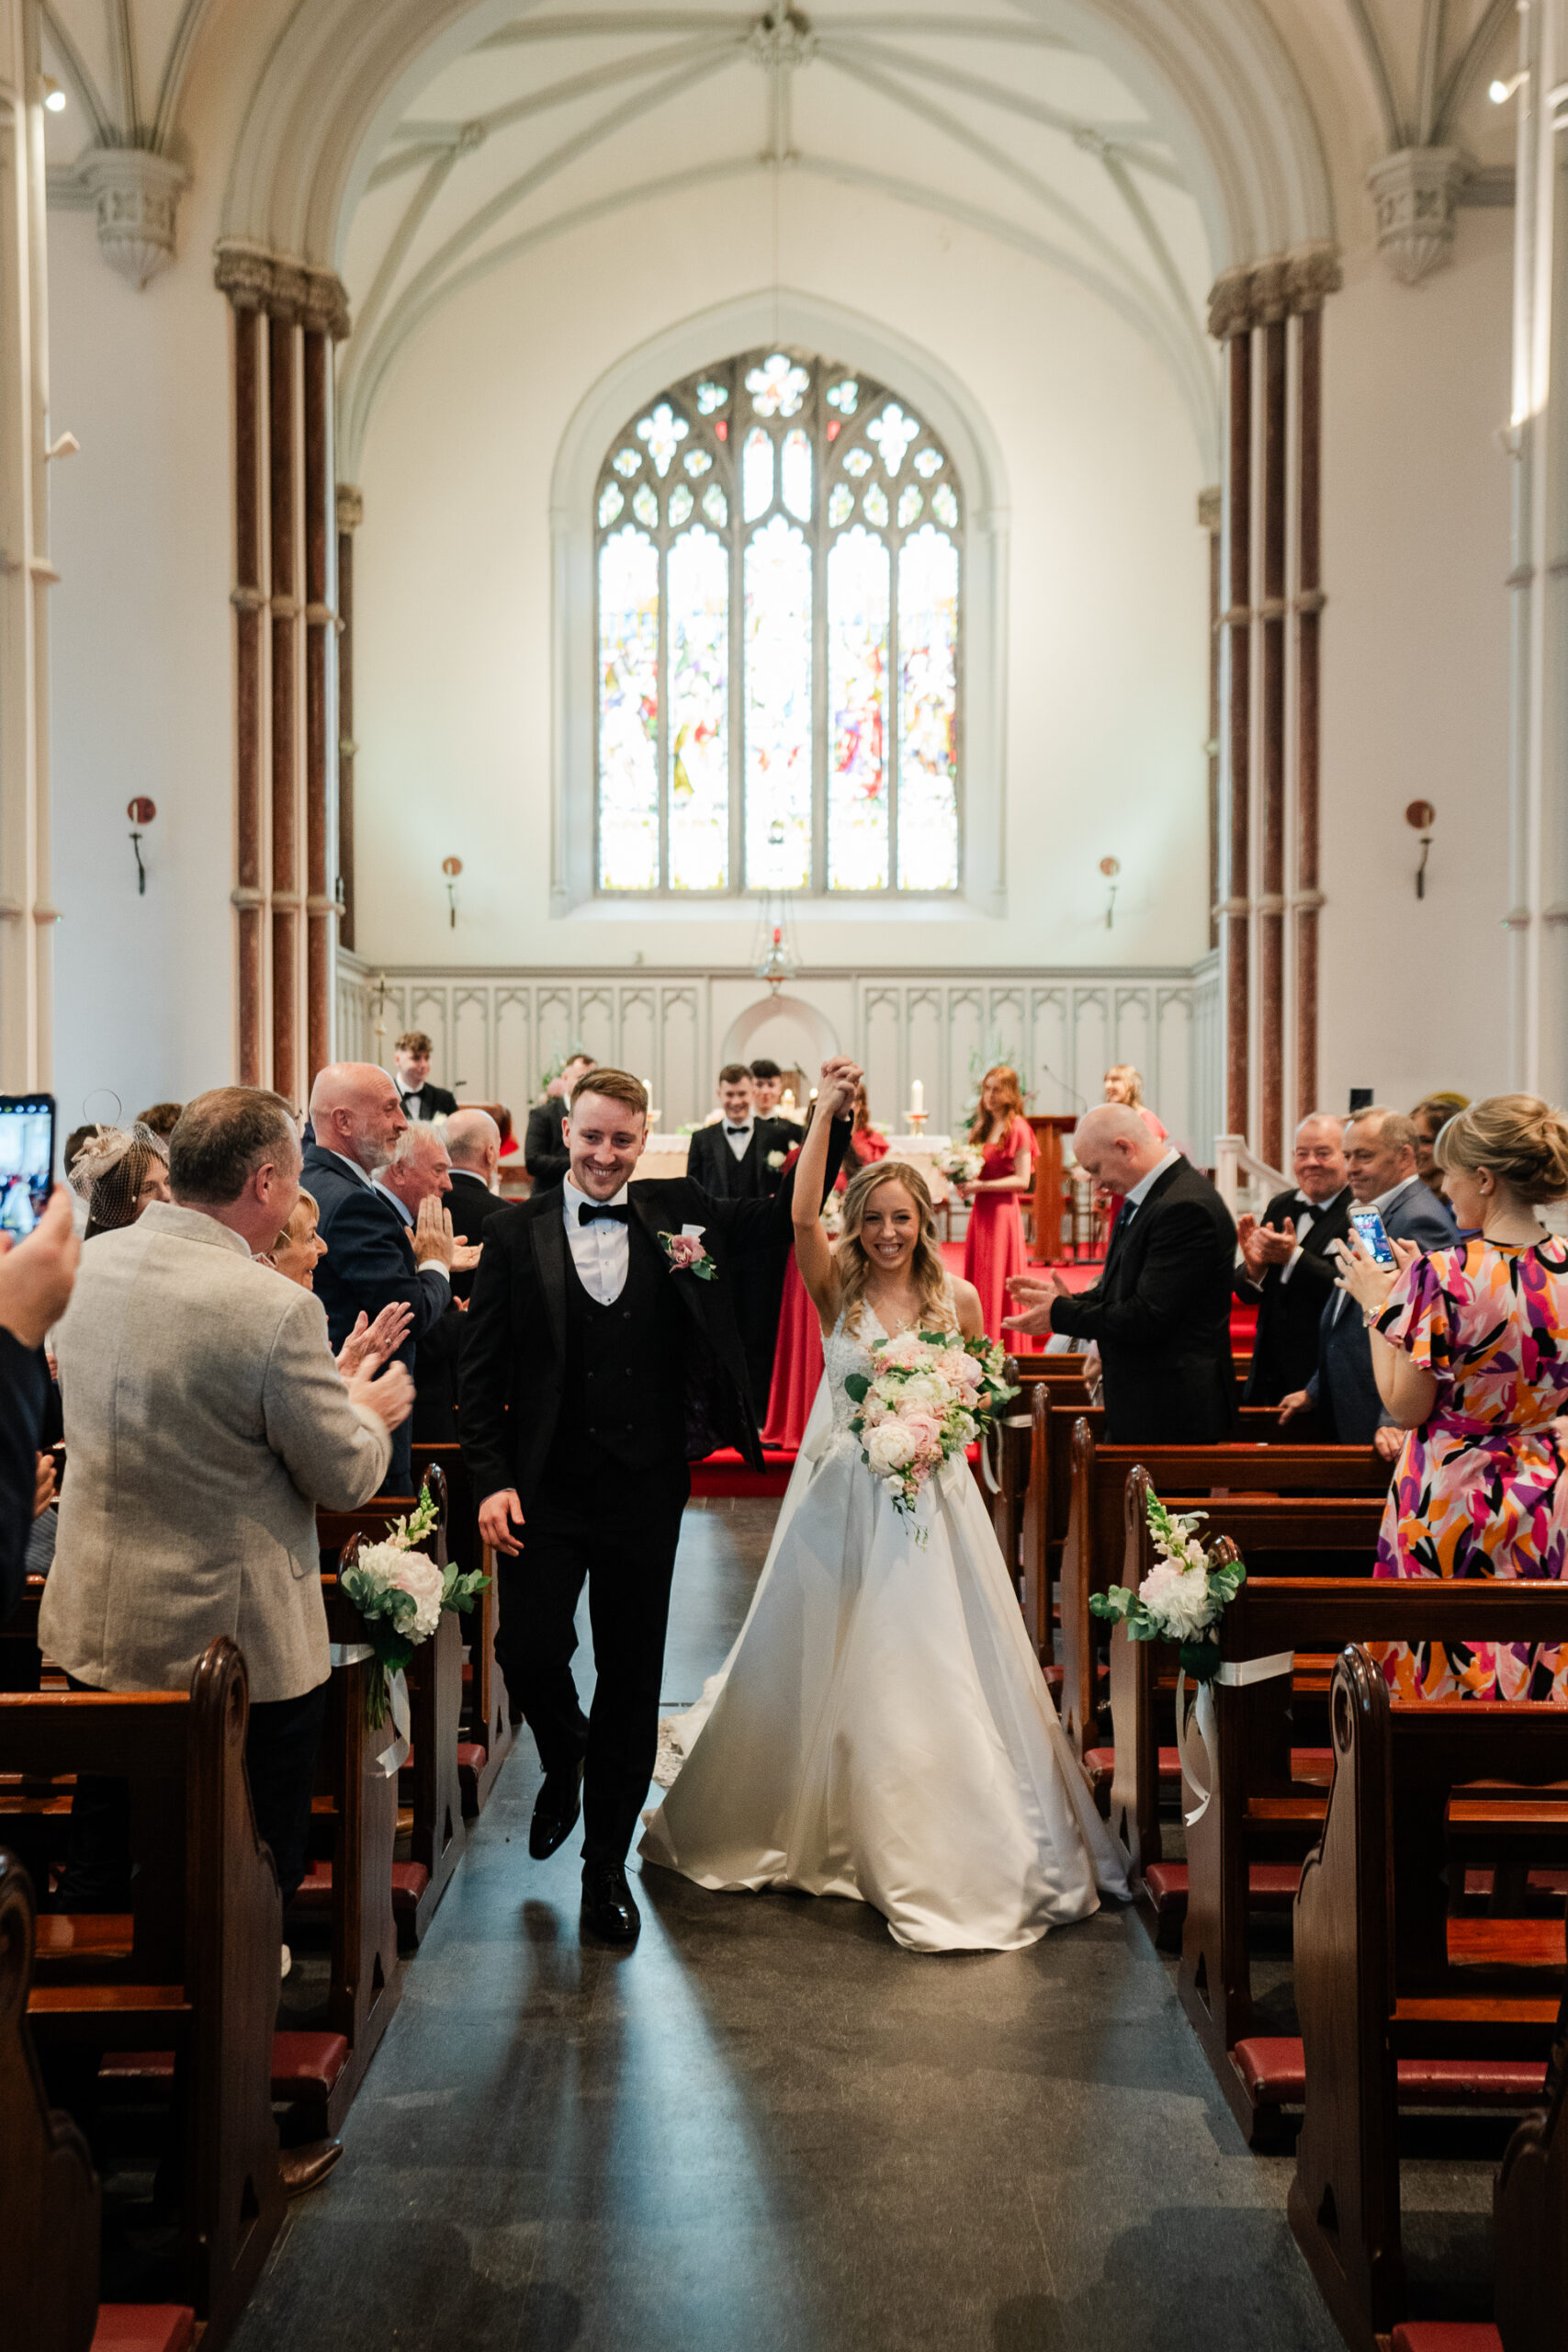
1182 1597
961 1163
928 1396
401 1593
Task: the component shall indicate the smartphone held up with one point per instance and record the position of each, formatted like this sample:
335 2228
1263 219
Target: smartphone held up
26 1161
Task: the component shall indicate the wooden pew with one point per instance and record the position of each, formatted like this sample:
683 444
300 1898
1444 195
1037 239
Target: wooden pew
1325 1500
1390 2001
195 1964
1262 1809
487 1727
48 2191
437 1837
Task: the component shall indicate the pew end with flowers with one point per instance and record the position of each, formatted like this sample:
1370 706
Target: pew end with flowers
401 1592
1184 1595
928 1396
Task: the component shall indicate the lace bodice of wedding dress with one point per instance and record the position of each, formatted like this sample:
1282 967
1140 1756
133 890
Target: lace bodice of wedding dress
844 1352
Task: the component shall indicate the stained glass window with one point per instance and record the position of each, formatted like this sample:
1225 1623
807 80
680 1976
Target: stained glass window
779 628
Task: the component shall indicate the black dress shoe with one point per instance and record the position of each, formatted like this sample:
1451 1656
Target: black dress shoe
608 1911
556 1810
302 2169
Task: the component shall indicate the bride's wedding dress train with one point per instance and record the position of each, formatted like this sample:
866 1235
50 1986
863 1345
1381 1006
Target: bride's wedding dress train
881 1729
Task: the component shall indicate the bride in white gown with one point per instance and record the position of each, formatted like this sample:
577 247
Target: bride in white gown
881 1729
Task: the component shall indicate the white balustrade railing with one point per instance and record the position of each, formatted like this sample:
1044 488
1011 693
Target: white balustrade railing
1243 1181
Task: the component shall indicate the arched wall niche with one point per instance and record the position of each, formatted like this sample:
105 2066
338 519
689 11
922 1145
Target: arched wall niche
790 317
785 1030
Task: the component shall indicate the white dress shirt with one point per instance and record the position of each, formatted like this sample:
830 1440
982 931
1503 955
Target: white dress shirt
739 1138
1133 1201
600 1251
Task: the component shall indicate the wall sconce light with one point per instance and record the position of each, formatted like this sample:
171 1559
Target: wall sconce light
66 446
452 868
1420 816
141 812
1110 867
1500 92
53 95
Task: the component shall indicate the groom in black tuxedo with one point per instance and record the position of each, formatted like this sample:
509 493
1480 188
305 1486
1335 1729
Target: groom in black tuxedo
740 1157
598 1365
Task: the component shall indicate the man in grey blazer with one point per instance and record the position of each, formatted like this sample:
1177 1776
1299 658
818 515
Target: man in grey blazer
205 1419
1379 1159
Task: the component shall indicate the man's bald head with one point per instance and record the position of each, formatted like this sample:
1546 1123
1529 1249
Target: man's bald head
1112 1144
355 1109
473 1141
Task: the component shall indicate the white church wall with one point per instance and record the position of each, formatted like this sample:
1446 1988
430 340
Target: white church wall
1106 594
1416 491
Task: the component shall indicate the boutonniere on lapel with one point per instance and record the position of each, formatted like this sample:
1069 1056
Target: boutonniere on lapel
686 1254
776 1159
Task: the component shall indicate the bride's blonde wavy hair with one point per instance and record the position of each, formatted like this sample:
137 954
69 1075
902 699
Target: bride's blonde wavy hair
854 1266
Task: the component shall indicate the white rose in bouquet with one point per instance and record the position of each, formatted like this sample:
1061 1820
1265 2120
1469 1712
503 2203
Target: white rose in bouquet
1178 1597
410 1572
890 1446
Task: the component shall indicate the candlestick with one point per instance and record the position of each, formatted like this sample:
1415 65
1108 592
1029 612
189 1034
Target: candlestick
916 1099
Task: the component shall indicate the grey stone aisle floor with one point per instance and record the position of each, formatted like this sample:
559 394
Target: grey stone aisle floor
768 2129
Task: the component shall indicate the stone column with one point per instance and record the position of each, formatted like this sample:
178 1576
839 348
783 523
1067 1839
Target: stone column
1537 917
27 915
286 319
350 515
1211 516
1269 317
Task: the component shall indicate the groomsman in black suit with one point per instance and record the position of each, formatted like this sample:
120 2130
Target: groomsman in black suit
544 1153
1289 1266
603 1358
740 1157
1160 1312
411 1060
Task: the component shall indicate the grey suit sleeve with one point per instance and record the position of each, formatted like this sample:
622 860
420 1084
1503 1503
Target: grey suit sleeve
335 1452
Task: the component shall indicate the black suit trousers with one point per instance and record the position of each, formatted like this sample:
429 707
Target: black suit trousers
617 1531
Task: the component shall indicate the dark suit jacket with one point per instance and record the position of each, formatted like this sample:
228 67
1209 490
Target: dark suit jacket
24 1390
470 1205
1344 1388
513 1367
712 1164
369 1262
1160 1316
435 1102
544 1153
1284 1353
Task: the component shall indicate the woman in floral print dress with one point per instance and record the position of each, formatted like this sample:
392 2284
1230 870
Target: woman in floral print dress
1470 1347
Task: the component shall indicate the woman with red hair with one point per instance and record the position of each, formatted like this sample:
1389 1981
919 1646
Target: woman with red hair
993 1248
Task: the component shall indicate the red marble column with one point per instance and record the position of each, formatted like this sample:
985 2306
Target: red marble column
320 904
282 336
1309 608
1271 904
350 515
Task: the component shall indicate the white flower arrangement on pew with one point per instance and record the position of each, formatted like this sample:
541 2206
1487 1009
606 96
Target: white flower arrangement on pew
961 1163
401 1594
1182 1597
928 1396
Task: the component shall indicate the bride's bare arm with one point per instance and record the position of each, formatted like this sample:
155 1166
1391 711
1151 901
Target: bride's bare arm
813 1250
966 1304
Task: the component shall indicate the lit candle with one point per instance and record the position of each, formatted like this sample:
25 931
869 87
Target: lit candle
918 1100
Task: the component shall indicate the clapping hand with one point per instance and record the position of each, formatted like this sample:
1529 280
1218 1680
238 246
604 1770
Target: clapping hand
434 1241
388 1395
43 1485
465 1256
37 1274
1035 1297
1265 1245
368 1345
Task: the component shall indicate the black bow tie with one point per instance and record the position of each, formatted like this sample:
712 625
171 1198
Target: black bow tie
589 1210
738 1131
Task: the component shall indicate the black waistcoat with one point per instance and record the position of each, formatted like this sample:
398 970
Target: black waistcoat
626 1369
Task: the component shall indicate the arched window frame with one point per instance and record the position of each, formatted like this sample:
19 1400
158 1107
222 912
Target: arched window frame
775 457
930 390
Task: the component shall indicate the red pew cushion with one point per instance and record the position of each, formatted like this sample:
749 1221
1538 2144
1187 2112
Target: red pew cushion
306 2065
144 2327
471 1756
1446 2336
1274 2072
409 1882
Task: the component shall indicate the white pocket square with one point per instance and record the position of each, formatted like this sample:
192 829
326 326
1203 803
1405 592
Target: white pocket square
692 1232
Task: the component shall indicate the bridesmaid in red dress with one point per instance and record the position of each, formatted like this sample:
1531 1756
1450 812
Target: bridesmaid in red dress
797 1358
993 1248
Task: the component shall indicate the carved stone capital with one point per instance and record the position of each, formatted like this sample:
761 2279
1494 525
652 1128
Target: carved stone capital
1416 192
349 506
136 195
1261 293
256 279
1210 508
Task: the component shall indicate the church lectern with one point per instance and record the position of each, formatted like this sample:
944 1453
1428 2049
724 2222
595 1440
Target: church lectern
1052 1186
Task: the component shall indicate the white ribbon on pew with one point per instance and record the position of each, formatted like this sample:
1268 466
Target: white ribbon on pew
1236 1674
349 1653
393 1759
